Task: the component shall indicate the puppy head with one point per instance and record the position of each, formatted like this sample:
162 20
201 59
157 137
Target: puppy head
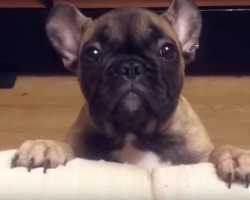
129 62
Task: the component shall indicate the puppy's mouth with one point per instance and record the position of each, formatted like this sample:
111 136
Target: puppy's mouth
131 102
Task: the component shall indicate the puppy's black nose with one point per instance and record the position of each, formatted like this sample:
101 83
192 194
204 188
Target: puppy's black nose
131 70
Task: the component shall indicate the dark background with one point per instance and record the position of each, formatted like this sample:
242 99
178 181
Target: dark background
224 44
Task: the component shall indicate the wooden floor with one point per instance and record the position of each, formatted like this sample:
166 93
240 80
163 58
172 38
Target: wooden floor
45 107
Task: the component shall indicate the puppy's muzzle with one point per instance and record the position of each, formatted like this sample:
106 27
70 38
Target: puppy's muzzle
130 71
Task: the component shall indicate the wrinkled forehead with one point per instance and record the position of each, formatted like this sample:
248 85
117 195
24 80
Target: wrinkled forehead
134 24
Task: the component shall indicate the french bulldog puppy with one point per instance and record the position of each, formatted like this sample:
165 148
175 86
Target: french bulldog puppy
130 66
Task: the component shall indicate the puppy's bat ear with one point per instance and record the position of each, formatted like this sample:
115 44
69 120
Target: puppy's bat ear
186 20
65 26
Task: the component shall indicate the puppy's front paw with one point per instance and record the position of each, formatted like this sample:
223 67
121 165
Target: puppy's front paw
42 153
232 164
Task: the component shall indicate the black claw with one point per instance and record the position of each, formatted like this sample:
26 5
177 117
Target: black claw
31 164
46 166
247 180
65 162
13 161
229 180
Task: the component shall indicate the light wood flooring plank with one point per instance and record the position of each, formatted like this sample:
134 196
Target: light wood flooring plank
45 107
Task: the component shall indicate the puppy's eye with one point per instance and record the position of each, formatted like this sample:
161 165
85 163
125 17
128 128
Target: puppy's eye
92 54
167 51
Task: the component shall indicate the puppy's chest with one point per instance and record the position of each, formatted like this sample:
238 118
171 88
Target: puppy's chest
130 153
